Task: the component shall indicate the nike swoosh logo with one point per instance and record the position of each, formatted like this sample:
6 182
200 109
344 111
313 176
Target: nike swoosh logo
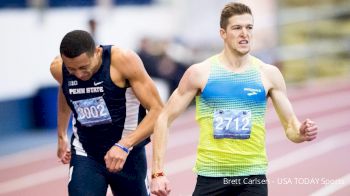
97 83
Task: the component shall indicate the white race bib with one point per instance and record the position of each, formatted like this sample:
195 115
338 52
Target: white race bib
92 111
234 124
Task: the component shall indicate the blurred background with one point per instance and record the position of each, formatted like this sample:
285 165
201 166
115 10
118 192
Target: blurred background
309 41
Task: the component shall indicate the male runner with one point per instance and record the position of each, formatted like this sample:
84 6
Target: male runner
108 91
231 89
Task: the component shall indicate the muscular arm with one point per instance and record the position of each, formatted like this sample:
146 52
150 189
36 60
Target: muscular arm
295 131
191 83
63 113
132 69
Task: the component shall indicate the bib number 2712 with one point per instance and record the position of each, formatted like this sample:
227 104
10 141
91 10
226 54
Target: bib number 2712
234 124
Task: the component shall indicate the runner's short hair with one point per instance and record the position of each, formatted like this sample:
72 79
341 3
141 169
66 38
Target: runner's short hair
76 43
232 9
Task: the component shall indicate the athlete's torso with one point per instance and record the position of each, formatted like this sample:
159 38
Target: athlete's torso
230 112
102 111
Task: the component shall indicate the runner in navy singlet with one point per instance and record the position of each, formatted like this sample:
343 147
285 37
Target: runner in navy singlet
108 91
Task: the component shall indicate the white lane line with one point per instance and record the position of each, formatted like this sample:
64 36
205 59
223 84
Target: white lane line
334 186
27 156
189 136
60 172
317 89
34 179
293 158
309 152
324 123
341 98
180 165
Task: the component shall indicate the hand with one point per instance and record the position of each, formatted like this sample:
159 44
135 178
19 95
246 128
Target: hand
308 130
160 186
63 151
115 159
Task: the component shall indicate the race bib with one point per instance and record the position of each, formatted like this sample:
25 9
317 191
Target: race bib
234 124
92 111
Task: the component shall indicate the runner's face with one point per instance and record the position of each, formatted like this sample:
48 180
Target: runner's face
81 66
238 33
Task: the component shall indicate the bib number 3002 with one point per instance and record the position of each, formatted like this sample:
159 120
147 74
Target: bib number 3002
234 124
92 111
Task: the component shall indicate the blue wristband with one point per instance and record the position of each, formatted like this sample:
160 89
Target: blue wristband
125 149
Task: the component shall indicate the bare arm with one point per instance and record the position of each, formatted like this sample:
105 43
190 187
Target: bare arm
190 84
146 92
176 105
295 131
131 68
63 114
